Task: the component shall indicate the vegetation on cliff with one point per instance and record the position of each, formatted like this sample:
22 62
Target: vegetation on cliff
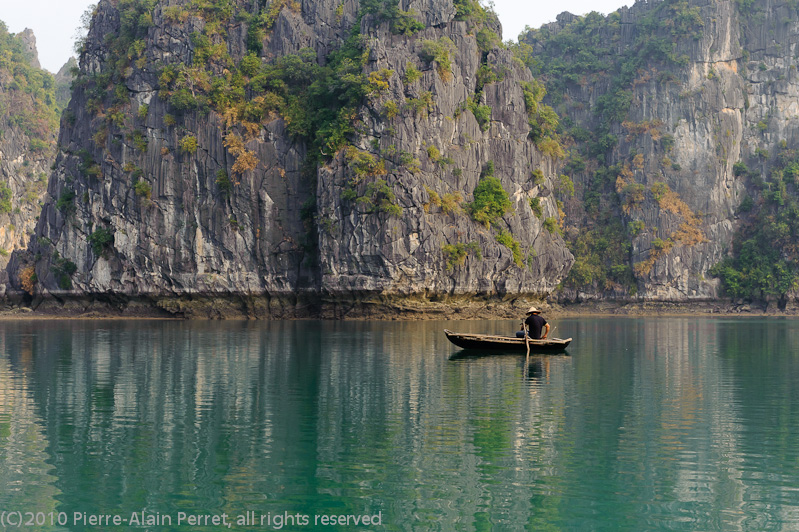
764 263
590 51
317 101
27 95
29 112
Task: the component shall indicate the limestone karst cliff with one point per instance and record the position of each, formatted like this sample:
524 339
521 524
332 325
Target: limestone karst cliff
28 128
680 114
292 158
278 155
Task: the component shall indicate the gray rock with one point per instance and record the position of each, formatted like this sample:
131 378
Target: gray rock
29 41
711 107
188 240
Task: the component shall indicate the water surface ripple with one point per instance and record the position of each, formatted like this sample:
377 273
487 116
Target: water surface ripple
645 424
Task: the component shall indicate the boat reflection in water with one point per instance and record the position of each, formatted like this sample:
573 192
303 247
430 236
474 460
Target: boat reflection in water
535 368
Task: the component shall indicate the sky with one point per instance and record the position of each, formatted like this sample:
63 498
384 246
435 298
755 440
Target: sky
55 22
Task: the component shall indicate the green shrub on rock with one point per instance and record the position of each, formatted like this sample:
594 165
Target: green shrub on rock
491 202
102 241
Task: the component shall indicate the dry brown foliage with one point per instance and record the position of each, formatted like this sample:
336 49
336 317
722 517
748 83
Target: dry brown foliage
650 127
27 277
688 233
245 159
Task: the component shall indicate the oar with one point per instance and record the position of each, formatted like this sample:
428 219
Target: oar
527 340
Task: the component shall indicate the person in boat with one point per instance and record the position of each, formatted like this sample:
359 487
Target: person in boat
534 323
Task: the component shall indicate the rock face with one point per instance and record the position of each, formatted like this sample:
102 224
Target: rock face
308 157
168 189
665 98
63 82
28 40
27 143
363 251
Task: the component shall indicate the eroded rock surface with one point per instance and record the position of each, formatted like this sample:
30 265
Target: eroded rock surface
165 207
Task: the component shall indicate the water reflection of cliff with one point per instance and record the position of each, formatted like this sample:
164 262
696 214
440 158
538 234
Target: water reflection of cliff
27 483
645 421
696 423
290 416
168 416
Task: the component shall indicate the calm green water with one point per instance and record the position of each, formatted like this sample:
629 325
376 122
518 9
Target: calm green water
646 424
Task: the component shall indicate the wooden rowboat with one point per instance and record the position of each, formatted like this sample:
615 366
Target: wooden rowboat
505 343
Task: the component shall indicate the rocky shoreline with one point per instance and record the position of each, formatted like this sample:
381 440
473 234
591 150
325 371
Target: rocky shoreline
372 307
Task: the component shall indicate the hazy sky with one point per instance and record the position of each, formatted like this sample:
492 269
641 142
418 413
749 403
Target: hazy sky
55 22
